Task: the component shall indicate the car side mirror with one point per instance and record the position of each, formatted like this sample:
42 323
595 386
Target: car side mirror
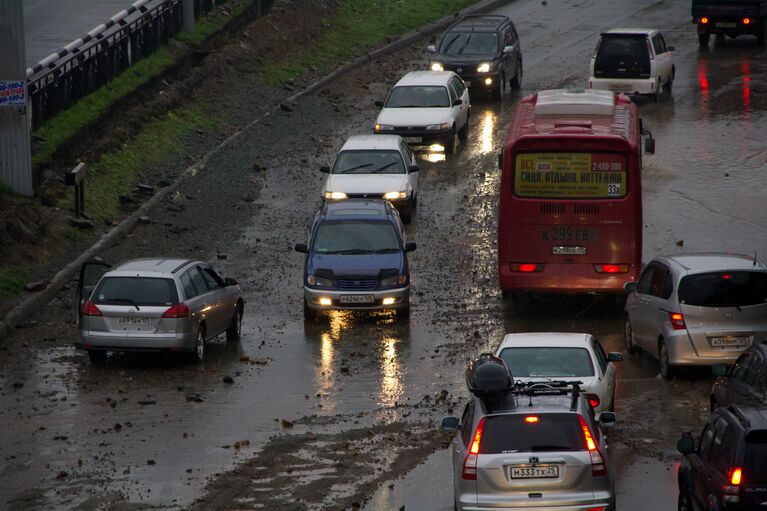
301 247
686 444
457 102
607 419
450 424
325 169
671 48
409 247
432 48
720 369
508 49
230 281
649 145
412 168
379 103
615 357
630 286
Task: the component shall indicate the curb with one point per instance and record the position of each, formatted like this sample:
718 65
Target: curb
21 311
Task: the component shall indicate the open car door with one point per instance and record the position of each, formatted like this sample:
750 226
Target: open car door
90 274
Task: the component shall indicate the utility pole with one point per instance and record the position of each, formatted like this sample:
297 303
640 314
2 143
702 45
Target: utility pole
15 151
187 12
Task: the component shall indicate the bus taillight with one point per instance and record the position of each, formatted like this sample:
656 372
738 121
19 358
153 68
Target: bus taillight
526 267
611 268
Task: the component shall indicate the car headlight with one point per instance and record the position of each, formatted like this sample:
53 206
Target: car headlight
485 67
336 195
437 66
383 127
442 126
395 195
313 280
396 280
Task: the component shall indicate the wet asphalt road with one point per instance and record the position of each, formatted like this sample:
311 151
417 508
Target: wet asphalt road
180 426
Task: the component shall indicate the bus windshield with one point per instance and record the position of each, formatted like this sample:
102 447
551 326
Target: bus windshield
570 175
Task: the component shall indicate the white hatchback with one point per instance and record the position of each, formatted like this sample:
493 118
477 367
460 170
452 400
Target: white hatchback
552 356
375 166
632 61
427 108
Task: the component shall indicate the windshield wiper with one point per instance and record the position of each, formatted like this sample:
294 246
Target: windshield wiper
363 165
347 251
460 51
128 300
448 45
383 251
381 169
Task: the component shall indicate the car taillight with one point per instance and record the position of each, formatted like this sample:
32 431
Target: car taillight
599 508
598 467
180 310
677 321
526 267
746 21
736 476
90 309
469 471
732 491
703 20
532 419
593 400
611 268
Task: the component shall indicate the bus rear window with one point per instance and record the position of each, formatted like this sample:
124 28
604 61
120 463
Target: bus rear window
570 176
532 433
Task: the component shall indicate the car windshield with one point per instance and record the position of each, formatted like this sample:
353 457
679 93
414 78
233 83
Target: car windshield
355 237
469 43
545 362
622 47
724 289
369 162
418 96
149 291
755 463
523 433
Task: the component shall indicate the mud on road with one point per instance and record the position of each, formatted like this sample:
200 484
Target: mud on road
319 414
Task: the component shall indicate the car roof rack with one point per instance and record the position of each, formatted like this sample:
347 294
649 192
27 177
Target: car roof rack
177 268
550 388
739 414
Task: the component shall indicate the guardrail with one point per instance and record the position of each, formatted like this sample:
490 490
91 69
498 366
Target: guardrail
93 60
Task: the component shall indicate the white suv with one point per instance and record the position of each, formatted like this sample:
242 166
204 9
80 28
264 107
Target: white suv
374 166
427 108
632 61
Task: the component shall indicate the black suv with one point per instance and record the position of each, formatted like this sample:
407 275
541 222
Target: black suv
483 50
745 383
727 471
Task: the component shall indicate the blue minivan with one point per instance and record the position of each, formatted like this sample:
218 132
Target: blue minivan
356 259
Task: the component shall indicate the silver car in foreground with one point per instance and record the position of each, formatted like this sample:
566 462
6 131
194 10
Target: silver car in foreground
539 447
155 305
697 309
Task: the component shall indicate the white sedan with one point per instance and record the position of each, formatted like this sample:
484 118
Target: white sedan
375 166
563 356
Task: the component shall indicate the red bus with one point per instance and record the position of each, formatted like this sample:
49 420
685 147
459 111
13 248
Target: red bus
570 213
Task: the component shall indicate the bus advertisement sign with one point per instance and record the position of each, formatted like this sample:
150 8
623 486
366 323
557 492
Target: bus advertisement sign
570 175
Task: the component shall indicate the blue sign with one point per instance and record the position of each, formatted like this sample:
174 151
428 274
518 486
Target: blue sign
13 93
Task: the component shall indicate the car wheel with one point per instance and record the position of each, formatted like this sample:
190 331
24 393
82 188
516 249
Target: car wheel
703 39
463 135
516 82
235 328
403 313
97 357
611 408
760 36
406 215
450 143
199 347
670 82
628 337
498 90
309 313
713 404
683 504
666 369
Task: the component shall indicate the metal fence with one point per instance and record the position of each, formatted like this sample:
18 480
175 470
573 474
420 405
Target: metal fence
88 63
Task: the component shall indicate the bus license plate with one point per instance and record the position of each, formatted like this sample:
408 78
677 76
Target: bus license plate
534 472
569 234
347 299
568 250
730 341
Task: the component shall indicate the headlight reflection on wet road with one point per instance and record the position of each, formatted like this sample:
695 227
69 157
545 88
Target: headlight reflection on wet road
391 384
487 132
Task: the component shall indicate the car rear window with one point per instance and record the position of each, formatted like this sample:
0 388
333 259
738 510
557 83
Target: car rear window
621 47
540 362
724 289
532 433
418 96
755 462
139 291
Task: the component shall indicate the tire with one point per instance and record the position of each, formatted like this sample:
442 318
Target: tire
628 337
234 331
403 313
198 355
760 36
497 92
309 313
703 39
450 143
666 369
683 503
670 83
516 82
97 357
463 134
406 215
713 405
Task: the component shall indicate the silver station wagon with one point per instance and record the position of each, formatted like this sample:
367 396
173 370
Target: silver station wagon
697 309
155 305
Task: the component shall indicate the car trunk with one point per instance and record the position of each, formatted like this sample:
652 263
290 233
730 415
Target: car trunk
622 56
724 311
126 320
535 459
